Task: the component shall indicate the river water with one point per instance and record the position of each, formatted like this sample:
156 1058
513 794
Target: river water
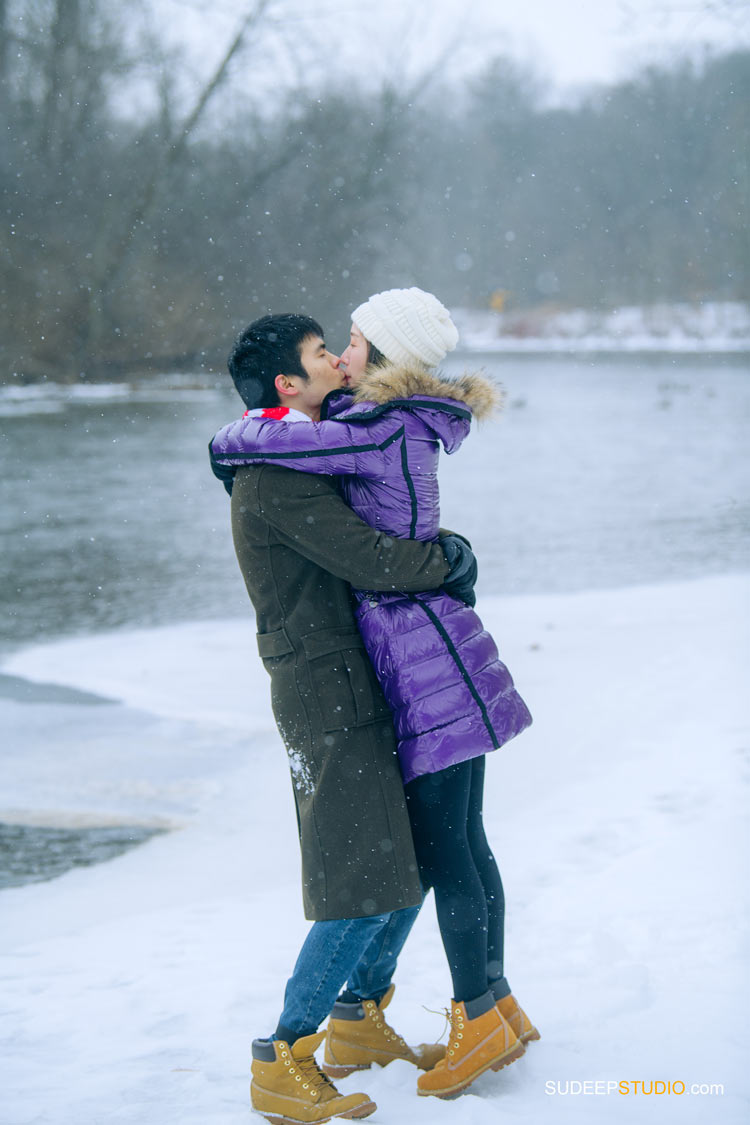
601 472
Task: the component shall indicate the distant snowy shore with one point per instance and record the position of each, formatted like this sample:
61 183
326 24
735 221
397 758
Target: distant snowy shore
48 397
713 326
131 990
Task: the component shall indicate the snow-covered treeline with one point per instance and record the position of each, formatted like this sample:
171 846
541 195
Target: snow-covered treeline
145 228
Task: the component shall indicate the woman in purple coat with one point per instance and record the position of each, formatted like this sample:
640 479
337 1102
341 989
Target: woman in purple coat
452 698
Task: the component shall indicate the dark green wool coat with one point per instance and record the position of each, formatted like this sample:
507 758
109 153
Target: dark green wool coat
299 547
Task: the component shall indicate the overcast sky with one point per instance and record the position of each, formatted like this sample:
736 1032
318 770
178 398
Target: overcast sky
570 44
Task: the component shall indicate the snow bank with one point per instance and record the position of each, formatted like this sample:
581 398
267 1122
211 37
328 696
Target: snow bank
49 397
711 326
132 989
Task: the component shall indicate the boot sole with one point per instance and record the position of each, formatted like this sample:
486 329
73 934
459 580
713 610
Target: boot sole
335 1071
358 1111
511 1057
529 1037
498 1064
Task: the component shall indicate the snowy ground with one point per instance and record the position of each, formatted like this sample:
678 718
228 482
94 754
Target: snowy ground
131 990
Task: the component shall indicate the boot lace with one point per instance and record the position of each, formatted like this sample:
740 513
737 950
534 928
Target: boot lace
454 1025
446 1014
314 1076
376 1016
456 1030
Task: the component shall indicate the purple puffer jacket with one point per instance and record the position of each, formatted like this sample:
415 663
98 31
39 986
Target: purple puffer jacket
451 696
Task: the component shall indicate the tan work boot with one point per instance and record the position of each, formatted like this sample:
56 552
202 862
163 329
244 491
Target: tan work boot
486 1042
358 1036
289 1088
517 1018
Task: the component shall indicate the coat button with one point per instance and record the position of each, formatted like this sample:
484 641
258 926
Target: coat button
373 603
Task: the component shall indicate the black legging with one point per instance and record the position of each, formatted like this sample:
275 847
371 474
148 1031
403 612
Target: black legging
445 809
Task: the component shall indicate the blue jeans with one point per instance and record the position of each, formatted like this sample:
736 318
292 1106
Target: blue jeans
358 952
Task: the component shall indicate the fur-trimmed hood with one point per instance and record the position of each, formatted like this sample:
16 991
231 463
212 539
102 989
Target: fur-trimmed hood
398 381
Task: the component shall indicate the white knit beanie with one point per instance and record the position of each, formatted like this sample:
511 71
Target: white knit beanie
407 325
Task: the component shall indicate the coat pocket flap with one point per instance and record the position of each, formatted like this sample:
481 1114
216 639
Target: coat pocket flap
274 644
325 641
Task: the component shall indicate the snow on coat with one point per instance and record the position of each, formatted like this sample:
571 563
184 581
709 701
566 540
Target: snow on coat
451 696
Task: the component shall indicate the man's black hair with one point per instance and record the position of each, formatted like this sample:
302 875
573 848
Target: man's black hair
267 348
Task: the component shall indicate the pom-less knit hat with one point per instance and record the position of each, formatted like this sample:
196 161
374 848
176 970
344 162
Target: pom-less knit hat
407 325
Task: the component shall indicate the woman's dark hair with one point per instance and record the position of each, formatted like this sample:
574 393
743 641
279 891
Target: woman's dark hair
269 347
374 356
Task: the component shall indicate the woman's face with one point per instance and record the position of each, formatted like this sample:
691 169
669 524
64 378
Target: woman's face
354 358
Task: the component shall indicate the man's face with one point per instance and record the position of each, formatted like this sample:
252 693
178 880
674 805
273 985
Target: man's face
322 368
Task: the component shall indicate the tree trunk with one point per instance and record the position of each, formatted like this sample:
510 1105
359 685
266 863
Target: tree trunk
64 52
116 257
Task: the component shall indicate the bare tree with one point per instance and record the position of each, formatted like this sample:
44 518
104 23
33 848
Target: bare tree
733 13
113 259
4 42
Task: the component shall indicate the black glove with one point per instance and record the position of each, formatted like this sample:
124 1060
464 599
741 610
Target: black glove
463 568
225 473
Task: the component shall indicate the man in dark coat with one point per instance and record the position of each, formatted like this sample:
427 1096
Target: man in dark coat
299 548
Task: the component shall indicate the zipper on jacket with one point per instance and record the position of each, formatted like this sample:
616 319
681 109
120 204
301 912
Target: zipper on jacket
462 669
410 486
